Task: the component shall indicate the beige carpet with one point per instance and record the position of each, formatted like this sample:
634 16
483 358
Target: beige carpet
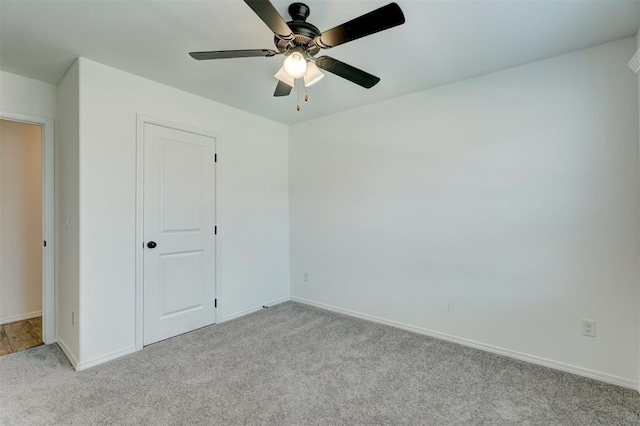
293 365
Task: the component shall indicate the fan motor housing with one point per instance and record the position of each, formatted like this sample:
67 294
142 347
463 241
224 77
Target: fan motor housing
304 32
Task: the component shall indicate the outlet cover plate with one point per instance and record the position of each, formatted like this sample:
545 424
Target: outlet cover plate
589 328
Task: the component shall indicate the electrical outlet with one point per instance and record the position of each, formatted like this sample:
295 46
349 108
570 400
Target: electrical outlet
73 317
589 328
306 277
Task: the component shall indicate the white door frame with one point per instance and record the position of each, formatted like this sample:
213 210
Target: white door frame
141 121
48 219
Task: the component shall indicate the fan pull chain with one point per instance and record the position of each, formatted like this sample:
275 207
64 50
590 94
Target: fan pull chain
298 104
306 95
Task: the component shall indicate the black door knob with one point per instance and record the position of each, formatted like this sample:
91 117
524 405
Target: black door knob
151 244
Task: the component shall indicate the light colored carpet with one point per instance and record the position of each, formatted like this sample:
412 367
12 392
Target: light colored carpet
293 364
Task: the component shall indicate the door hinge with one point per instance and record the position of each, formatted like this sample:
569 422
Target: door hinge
215 157
215 303
215 230
45 243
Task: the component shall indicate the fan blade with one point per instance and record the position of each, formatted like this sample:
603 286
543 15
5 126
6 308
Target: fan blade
225 54
282 89
378 20
265 10
348 72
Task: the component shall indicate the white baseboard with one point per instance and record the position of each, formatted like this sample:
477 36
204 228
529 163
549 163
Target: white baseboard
252 310
20 317
604 377
70 356
104 358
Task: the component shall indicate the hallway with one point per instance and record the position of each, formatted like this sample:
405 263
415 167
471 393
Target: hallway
20 335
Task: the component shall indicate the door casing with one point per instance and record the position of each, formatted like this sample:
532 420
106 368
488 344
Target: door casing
48 219
139 286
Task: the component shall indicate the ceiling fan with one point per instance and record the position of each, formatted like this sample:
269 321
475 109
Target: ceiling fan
299 41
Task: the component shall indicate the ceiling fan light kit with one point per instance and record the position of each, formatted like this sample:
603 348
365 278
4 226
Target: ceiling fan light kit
313 75
300 41
295 64
284 77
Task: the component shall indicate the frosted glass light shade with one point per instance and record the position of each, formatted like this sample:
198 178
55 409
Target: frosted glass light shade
284 77
295 65
313 75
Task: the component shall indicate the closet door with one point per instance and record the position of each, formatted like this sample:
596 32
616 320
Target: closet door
179 237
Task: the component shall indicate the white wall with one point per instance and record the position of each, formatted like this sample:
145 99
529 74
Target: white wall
67 205
27 96
253 223
20 221
501 210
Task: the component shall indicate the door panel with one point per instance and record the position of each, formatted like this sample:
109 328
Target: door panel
179 217
184 268
181 191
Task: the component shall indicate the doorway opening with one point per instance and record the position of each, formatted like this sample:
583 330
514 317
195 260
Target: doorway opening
20 236
26 221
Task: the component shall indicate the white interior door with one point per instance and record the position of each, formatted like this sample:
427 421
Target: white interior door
179 237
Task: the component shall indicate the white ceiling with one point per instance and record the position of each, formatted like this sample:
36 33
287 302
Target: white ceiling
441 42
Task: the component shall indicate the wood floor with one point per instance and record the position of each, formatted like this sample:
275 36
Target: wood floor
20 335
